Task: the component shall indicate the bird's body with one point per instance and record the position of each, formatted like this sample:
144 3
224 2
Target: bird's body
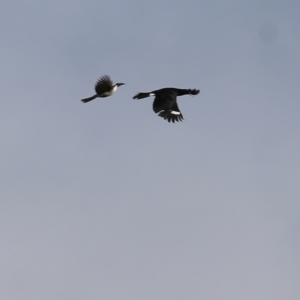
104 87
165 103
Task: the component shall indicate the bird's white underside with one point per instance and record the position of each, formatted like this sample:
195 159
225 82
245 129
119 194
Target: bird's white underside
109 93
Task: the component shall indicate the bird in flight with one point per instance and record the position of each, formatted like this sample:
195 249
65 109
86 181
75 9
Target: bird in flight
165 103
104 87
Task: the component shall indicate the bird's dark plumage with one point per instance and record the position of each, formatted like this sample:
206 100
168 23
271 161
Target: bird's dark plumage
104 87
165 103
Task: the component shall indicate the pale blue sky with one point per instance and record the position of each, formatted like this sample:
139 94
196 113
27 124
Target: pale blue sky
106 200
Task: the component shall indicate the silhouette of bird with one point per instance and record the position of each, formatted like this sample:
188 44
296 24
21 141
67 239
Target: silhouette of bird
104 87
165 103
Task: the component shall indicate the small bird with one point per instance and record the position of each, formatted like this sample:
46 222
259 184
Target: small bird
104 87
165 102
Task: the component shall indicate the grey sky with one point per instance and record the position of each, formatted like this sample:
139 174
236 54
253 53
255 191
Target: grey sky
106 200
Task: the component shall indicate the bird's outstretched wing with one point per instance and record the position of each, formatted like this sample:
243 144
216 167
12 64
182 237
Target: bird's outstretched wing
103 85
166 107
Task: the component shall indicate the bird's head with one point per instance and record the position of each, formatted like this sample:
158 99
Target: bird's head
194 92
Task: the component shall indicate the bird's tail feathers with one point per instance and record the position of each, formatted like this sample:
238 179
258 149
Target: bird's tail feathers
141 95
89 99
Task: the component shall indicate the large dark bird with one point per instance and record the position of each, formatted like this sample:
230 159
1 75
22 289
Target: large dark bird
165 103
104 88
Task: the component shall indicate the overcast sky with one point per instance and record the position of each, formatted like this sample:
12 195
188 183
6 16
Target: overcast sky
106 200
